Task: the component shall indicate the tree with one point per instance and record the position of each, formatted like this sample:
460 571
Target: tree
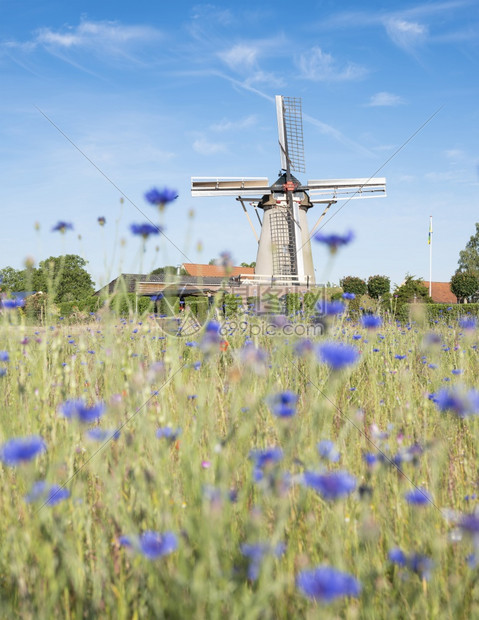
378 286
464 285
352 284
253 264
469 257
12 280
411 290
169 270
65 277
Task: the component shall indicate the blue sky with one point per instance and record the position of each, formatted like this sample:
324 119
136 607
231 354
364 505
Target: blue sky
155 93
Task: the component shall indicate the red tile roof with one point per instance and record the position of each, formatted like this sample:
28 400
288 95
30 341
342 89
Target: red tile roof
215 271
441 292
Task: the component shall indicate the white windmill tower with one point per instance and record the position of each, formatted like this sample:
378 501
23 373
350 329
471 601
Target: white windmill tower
284 248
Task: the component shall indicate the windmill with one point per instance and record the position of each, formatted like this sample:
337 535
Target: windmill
284 248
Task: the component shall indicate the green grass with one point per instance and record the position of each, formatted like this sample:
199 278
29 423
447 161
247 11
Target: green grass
65 560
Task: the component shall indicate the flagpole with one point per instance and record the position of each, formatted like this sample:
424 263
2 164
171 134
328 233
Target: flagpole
430 256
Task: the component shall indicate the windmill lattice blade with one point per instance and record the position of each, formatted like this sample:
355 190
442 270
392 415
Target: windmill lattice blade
214 186
337 183
342 189
293 123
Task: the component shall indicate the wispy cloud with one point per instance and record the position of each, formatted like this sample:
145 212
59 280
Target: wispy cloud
102 38
203 146
385 99
406 34
337 135
408 28
244 59
320 66
455 155
241 56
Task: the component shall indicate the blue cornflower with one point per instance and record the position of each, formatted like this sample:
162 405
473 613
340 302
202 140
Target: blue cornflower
49 494
334 241
324 584
400 357
3 372
161 197
151 544
370 321
456 401
145 230
456 371
168 433
211 337
467 322
10 304
283 404
370 459
327 450
102 434
77 409
337 355
4 356
226 260
349 296
256 553
269 456
415 562
62 227
330 308
470 524
418 497
332 485
20 449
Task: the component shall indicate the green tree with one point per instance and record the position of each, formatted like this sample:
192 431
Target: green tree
352 284
169 270
65 277
378 286
13 280
464 285
469 257
253 264
412 290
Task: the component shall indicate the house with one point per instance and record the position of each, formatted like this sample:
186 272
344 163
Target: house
441 292
216 271
200 280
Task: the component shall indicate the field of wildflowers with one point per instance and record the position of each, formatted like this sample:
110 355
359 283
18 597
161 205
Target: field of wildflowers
146 475
238 475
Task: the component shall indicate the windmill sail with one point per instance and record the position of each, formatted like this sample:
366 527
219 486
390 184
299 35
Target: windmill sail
290 133
284 248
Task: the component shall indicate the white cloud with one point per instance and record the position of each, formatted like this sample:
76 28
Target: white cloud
405 34
266 79
240 57
385 99
319 66
102 38
455 155
204 147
